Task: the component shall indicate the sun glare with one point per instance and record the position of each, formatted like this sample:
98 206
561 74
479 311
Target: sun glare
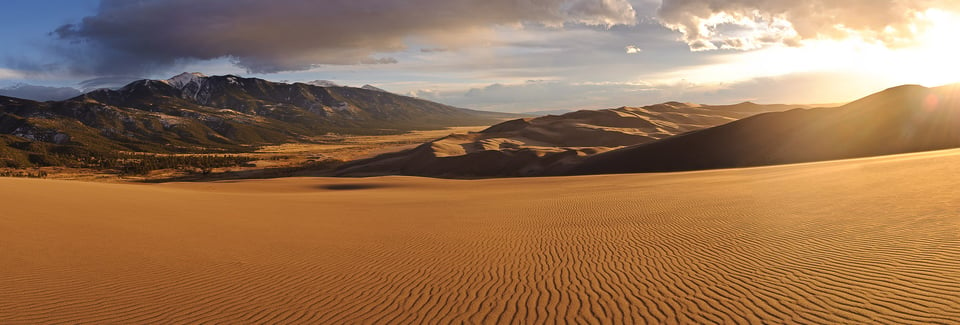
931 59
935 59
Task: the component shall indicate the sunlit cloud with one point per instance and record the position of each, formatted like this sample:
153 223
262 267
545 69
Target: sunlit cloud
753 24
930 61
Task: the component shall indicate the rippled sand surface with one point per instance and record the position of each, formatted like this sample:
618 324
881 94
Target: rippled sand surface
859 241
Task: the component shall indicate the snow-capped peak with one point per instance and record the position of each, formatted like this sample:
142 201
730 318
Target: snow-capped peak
323 83
181 80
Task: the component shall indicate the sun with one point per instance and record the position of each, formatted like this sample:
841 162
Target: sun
935 59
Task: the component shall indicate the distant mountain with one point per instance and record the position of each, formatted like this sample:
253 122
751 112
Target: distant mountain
533 146
192 112
39 93
897 120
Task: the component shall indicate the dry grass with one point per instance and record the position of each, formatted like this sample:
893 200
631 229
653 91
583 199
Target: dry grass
356 147
271 161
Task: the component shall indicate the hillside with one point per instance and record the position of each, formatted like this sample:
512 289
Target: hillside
897 120
196 113
533 146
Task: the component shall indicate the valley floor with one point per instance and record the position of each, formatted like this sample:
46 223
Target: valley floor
290 159
872 240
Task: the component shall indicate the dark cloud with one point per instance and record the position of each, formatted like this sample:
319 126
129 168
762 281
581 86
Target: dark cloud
107 82
39 93
137 37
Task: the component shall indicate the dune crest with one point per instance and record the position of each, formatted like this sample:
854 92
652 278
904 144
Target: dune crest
898 120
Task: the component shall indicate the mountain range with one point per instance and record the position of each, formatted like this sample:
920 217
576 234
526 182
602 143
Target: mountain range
192 112
39 93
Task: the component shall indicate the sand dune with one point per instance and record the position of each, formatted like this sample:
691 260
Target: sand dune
897 120
860 241
532 146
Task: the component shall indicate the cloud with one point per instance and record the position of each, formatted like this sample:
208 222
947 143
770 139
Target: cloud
39 93
534 95
106 82
796 88
137 37
633 49
752 24
10 74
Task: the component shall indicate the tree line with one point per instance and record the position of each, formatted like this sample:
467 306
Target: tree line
122 162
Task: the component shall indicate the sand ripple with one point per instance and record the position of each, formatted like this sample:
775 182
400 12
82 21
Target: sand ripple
864 241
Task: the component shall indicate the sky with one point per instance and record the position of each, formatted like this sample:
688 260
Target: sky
501 55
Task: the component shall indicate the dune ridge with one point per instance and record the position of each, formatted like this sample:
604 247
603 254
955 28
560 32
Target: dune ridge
534 146
857 241
902 119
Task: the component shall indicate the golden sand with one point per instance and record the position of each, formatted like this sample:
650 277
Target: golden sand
858 241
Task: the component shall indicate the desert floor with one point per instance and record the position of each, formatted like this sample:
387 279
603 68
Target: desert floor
858 241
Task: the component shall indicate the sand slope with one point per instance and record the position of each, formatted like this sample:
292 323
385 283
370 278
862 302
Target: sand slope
897 120
862 241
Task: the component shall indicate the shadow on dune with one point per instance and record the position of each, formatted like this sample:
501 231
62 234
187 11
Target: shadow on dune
899 120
